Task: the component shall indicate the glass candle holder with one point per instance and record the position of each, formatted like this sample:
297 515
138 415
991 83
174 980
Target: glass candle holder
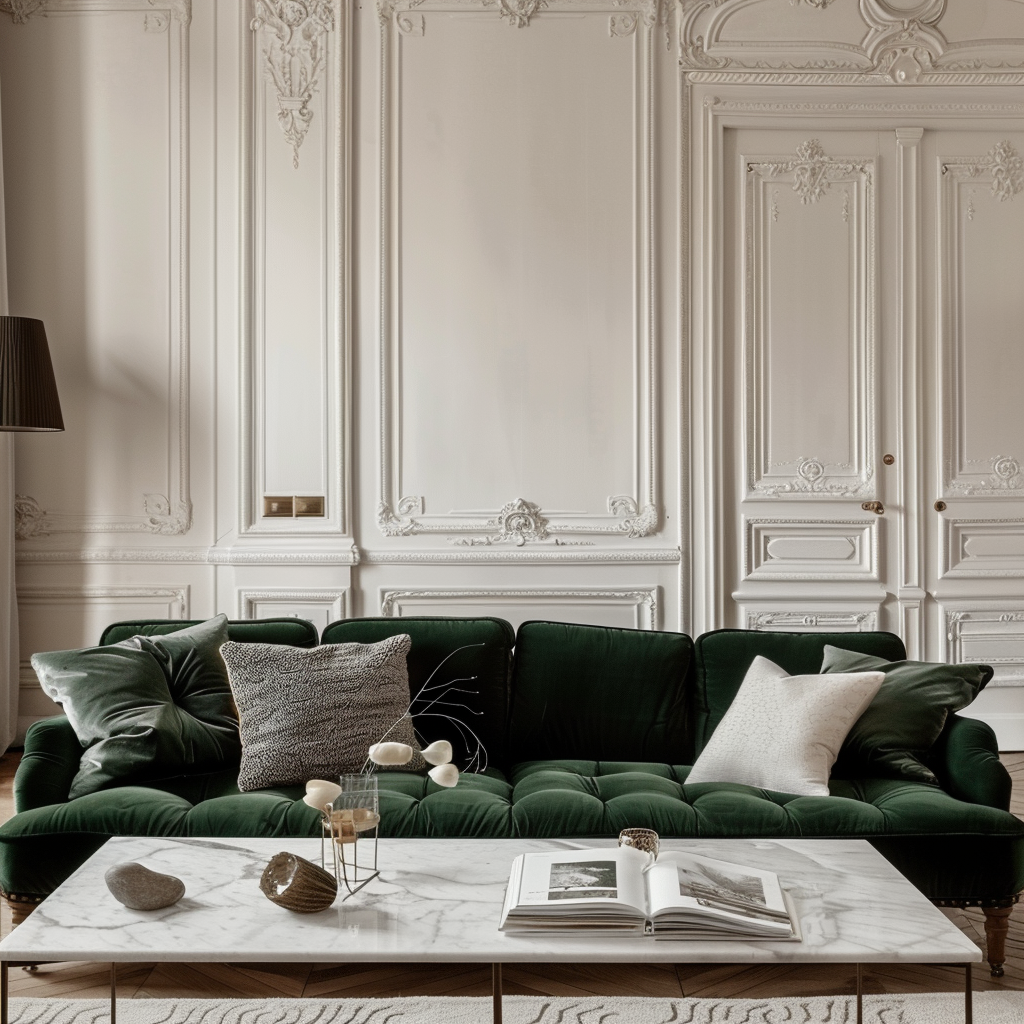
354 813
356 809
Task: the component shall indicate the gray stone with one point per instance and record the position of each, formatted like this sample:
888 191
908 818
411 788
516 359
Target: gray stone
138 888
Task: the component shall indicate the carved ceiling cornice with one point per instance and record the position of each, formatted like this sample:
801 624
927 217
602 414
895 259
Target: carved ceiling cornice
889 41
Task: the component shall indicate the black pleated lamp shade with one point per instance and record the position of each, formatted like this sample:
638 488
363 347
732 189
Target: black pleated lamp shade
28 392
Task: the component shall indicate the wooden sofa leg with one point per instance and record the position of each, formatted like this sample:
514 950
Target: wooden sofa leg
20 909
997 923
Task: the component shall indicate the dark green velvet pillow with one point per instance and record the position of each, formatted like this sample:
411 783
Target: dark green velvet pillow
906 717
147 707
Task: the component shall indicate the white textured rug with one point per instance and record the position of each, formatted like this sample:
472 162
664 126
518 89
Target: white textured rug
989 1008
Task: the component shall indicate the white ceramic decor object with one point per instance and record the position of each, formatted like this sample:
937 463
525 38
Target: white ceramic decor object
446 775
320 793
391 753
439 752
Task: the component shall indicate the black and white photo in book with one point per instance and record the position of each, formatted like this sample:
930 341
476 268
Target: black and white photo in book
583 879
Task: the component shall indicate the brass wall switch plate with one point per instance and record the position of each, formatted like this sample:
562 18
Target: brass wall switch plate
309 506
276 507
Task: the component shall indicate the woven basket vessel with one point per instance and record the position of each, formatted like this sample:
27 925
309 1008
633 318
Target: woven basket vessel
296 884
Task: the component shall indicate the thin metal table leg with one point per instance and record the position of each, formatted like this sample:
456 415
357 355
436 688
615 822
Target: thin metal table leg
4 993
968 997
113 994
860 995
496 986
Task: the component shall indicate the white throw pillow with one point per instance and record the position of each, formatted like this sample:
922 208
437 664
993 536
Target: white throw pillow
783 732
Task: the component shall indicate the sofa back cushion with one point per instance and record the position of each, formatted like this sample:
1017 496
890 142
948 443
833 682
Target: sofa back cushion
485 665
599 693
723 657
293 632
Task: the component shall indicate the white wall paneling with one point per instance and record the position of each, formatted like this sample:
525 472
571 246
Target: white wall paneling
321 607
981 241
295 401
100 229
631 607
826 549
518 322
982 548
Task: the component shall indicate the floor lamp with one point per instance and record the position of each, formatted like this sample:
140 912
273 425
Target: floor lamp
28 391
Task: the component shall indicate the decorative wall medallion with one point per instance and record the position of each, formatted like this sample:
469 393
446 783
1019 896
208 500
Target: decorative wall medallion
29 518
518 12
814 170
162 518
520 521
812 478
295 55
622 24
1007 170
21 10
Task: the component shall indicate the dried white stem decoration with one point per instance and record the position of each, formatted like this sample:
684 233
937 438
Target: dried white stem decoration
446 775
439 752
320 793
391 753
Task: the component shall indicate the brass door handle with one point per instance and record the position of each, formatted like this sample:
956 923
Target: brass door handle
940 506
873 506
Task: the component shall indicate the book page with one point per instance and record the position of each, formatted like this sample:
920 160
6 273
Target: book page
688 886
570 882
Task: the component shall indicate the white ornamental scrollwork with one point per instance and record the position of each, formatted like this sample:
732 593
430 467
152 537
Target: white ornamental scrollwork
295 55
811 478
21 10
1005 476
814 170
30 519
517 12
637 522
162 518
520 521
1007 169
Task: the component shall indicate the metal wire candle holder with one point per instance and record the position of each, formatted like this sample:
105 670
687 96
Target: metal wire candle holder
354 812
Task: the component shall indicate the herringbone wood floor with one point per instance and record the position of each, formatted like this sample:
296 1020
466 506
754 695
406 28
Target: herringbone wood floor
332 981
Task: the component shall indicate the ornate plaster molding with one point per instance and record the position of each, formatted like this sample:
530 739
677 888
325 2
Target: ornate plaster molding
899 45
21 10
295 56
165 519
518 522
826 621
814 170
30 519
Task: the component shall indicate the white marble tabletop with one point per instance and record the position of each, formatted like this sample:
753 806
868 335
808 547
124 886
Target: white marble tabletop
439 899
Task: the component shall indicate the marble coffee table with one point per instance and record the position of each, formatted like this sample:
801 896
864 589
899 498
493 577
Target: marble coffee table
440 899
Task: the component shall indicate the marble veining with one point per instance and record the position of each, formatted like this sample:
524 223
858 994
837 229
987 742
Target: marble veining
439 899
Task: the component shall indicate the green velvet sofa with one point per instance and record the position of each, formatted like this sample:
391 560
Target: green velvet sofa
588 730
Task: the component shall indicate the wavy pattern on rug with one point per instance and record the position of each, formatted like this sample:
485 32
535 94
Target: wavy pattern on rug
989 1008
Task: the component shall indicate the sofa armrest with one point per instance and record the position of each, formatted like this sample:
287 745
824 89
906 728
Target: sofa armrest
966 760
50 762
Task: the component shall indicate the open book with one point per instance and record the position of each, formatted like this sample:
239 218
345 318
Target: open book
679 895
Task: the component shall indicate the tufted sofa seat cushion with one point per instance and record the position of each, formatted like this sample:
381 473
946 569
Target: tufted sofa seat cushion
943 845
42 846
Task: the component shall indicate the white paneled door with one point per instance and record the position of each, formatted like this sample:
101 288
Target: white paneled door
862 322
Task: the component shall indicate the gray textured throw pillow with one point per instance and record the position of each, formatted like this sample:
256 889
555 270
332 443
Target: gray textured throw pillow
313 714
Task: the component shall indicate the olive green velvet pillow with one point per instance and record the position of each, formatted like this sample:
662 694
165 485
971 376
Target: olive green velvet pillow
146 708
902 723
